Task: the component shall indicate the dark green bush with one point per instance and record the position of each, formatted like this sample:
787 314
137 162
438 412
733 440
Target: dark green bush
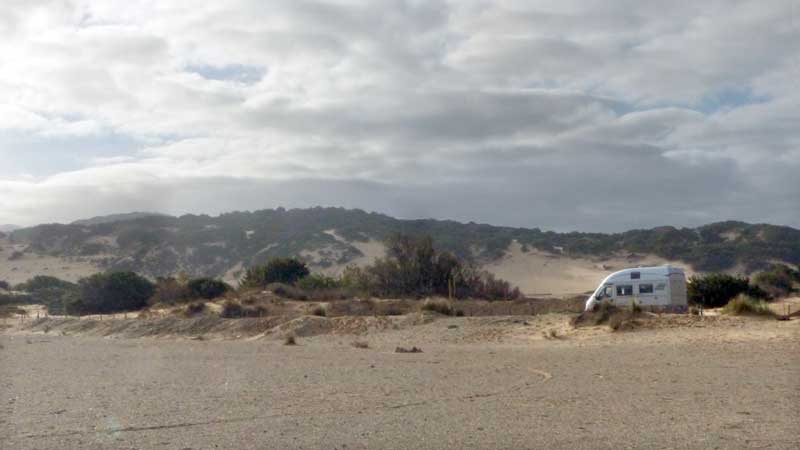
110 292
716 289
278 270
4 285
778 281
208 288
51 292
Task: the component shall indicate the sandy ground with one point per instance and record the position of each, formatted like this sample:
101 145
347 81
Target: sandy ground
481 383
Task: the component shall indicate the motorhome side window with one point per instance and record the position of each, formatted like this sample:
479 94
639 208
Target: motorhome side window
625 289
661 286
636 275
646 288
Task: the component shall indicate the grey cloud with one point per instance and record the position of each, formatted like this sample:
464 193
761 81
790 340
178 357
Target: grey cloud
568 115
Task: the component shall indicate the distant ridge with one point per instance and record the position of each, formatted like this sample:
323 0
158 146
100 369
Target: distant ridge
330 238
8 227
111 218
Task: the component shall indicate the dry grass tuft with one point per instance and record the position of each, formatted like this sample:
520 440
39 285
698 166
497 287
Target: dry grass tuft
617 319
407 350
360 344
290 340
320 311
439 306
744 305
194 309
232 309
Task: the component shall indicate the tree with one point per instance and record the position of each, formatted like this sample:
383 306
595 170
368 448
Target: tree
278 270
111 292
4 285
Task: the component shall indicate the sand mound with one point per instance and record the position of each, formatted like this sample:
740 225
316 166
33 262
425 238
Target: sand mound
303 326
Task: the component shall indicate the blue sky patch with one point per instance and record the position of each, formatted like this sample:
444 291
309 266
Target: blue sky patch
231 72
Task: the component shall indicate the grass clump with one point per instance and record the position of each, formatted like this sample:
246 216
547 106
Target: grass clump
616 318
232 309
744 305
439 306
290 340
319 311
194 309
360 344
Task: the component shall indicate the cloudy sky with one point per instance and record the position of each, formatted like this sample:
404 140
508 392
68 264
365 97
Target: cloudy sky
566 115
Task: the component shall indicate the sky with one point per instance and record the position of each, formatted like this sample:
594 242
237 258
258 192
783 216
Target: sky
564 115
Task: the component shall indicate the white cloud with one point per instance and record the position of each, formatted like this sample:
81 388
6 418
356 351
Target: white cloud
581 114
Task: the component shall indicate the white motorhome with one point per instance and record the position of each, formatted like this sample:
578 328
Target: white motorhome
662 287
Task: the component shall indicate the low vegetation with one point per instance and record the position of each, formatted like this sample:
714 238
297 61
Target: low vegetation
194 309
745 305
319 311
233 309
111 292
617 318
278 270
438 306
778 281
414 268
360 344
716 289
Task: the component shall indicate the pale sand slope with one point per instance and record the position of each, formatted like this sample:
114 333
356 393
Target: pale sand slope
371 250
30 265
538 273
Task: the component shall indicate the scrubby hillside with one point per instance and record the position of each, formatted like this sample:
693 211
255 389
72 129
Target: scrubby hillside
329 238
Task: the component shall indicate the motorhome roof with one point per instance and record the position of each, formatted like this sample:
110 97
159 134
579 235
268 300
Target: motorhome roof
646 272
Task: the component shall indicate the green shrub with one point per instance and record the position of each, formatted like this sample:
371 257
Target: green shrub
746 305
110 292
716 289
4 285
207 288
278 270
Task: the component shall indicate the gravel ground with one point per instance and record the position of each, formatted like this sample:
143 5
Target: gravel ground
651 389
